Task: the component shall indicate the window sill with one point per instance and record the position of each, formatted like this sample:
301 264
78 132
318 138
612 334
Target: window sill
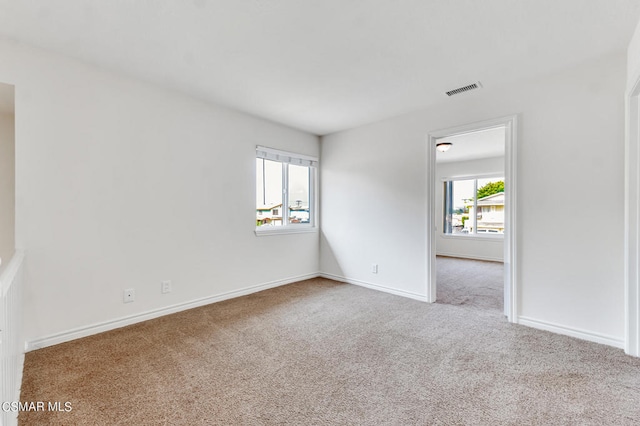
486 237
281 230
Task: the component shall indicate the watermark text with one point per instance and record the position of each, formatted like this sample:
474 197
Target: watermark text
15 406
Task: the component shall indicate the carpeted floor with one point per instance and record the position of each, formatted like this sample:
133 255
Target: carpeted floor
470 283
321 352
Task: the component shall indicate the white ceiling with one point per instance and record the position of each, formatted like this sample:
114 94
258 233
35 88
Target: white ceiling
6 99
472 146
325 66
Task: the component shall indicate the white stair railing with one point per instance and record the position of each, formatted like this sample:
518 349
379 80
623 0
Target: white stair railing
11 339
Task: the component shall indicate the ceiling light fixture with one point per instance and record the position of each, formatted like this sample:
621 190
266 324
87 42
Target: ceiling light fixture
443 146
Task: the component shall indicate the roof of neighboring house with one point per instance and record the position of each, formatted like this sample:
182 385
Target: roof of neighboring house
269 206
492 200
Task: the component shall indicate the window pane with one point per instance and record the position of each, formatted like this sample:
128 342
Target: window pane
298 194
458 201
268 193
490 202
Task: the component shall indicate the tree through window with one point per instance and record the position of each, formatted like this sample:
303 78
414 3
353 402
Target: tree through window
474 206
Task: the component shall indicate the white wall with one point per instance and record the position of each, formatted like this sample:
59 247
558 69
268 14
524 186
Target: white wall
570 159
7 188
123 184
477 247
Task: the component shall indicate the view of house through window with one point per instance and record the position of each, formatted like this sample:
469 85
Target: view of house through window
298 194
474 206
284 187
269 192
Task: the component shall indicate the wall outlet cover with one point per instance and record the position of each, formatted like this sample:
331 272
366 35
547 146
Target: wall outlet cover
129 295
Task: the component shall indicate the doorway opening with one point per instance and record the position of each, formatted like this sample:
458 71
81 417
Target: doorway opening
632 223
7 174
471 214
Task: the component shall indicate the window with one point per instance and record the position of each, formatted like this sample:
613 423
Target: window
285 191
474 206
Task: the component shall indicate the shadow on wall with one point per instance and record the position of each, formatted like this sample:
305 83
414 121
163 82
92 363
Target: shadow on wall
329 264
7 174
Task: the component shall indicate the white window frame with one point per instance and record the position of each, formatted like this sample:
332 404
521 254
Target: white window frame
475 235
286 158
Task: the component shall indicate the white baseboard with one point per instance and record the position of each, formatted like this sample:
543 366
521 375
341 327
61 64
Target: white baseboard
89 330
573 332
473 257
409 294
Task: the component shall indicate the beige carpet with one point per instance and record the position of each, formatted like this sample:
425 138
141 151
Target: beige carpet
470 283
320 352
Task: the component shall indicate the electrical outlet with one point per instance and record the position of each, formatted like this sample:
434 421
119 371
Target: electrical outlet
374 268
129 295
165 287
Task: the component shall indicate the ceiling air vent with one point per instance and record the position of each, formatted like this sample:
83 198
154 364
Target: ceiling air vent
464 89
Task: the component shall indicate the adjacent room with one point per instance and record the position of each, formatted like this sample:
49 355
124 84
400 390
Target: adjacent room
297 212
470 218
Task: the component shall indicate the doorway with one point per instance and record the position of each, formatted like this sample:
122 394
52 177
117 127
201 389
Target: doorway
476 228
7 174
632 223
469 217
